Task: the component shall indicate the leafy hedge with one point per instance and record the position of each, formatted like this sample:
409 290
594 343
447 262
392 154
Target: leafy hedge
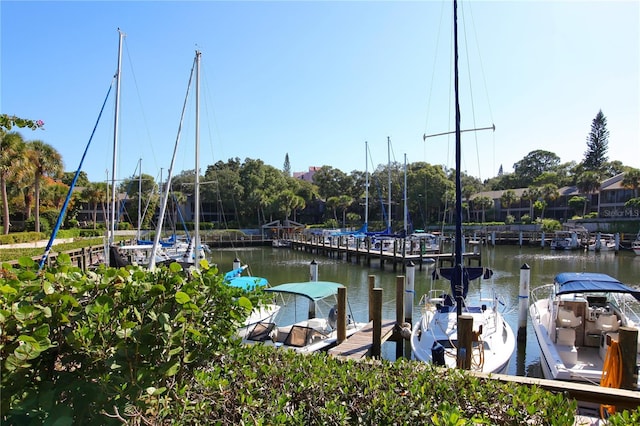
75 346
269 386
21 237
133 346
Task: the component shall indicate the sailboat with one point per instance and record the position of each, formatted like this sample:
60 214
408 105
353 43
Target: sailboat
194 251
438 336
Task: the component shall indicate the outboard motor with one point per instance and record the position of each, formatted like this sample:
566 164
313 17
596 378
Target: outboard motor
437 354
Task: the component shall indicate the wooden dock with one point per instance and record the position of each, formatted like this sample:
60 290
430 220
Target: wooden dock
359 344
340 249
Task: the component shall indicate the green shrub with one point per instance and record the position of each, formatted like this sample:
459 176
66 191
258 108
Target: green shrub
509 220
21 237
45 226
526 219
51 216
74 346
550 225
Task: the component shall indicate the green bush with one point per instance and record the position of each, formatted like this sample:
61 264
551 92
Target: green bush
75 346
526 219
21 237
51 216
550 225
509 220
45 225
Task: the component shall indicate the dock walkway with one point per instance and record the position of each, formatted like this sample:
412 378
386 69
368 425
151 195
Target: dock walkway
359 344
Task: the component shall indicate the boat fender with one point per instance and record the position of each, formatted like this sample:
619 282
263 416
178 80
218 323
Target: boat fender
405 330
437 354
488 273
332 320
273 334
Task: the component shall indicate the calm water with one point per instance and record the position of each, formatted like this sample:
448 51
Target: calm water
283 265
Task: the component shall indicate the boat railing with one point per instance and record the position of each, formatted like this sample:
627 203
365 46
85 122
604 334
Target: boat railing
629 307
433 297
539 293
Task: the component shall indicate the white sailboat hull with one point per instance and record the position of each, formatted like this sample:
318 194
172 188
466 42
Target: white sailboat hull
492 355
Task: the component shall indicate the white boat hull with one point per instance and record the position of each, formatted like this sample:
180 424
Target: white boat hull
576 352
493 356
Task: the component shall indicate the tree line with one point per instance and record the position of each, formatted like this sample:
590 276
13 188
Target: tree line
248 193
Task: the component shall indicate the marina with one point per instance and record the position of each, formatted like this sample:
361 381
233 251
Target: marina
285 265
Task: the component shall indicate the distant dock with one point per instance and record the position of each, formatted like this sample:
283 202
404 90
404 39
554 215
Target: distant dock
361 251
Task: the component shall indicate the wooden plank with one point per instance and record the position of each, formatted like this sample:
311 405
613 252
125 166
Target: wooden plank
358 345
621 398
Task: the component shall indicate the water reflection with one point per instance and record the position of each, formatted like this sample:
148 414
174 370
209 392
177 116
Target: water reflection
280 265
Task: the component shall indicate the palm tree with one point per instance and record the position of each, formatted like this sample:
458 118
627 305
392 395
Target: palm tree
11 155
93 194
587 183
631 180
344 201
46 161
532 194
483 203
508 198
549 192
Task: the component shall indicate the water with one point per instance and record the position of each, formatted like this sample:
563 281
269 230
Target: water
281 265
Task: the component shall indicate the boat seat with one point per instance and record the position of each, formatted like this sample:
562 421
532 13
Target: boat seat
607 322
566 336
262 332
299 336
568 319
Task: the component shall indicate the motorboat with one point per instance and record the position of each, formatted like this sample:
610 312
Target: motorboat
564 240
635 245
316 331
603 242
576 318
262 313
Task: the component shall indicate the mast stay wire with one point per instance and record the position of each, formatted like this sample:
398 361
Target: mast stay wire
484 80
142 110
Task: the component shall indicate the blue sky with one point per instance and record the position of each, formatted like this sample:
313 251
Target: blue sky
315 80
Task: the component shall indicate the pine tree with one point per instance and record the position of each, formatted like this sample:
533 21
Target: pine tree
287 165
597 144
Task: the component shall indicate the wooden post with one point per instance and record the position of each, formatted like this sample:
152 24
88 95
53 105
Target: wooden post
83 259
342 314
628 349
372 285
399 315
465 329
376 347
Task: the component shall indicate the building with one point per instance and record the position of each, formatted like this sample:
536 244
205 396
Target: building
609 202
308 176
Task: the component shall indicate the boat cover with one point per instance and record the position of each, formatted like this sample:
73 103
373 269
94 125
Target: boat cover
314 290
248 283
468 273
590 282
234 279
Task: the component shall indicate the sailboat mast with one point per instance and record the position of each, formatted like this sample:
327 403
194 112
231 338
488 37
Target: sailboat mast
112 225
366 183
139 197
389 183
196 232
457 276
406 211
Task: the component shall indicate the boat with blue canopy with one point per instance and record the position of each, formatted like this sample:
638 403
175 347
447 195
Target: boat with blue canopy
576 320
